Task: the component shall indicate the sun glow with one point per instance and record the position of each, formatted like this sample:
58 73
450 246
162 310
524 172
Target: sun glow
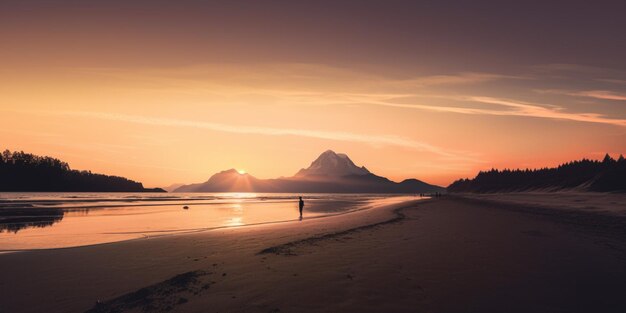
241 172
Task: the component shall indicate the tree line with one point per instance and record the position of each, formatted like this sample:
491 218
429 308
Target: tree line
608 175
20 171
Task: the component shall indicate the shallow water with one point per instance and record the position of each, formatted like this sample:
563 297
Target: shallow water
58 220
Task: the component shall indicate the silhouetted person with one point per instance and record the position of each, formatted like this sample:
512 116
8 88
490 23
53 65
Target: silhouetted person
301 205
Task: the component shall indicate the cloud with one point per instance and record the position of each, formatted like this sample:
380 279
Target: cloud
375 140
310 84
552 112
451 79
602 94
596 94
508 108
612 81
289 79
574 68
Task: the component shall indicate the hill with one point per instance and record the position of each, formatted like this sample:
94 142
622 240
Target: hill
329 173
608 175
20 171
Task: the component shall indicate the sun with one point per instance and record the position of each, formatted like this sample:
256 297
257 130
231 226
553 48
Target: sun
241 172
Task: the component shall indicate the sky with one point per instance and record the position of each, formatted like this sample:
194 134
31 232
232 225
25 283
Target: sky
170 92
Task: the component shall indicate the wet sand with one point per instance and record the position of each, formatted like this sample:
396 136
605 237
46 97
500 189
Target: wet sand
441 255
31 221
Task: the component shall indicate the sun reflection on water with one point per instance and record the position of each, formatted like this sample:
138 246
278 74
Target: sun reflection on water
235 221
238 195
237 215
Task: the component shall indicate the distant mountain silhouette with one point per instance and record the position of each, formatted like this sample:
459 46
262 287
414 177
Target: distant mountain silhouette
172 187
330 172
608 175
21 171
332 164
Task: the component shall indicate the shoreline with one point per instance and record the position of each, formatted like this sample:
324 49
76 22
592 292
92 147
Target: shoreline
284 248
183 232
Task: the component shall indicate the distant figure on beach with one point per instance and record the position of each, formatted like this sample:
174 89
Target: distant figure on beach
301 205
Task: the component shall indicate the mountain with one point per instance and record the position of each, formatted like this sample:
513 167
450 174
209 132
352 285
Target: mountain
332 164
329 173
229 180
172 187
608 175
21 171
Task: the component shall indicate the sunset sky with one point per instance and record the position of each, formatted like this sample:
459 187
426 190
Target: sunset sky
170 92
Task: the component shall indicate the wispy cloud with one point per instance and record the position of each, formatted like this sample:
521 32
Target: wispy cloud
596 94
553 112
515 108
508 107
286 80
376 140
451 79
309 84
574 68
602 94
612 81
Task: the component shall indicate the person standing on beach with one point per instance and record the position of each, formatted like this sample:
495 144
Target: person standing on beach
301 205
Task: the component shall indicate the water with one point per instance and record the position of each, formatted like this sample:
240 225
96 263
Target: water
56 220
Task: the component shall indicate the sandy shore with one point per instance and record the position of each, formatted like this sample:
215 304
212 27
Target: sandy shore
588 202
443 255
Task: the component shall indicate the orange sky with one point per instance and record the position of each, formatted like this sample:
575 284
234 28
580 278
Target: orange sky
162 106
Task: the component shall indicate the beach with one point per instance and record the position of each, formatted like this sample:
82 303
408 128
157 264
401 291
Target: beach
312 156
450 254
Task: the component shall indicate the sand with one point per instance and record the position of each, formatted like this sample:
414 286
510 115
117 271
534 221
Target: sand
590 202
440 255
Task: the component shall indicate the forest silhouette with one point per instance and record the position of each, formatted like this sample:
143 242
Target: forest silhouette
20 171
608 175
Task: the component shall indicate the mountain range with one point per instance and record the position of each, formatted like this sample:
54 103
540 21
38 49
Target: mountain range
330 173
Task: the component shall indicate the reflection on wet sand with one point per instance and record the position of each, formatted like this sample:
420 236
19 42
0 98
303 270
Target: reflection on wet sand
14 220
44 222
236 211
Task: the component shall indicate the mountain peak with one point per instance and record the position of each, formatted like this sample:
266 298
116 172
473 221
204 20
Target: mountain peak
332 164
328 153
231 171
